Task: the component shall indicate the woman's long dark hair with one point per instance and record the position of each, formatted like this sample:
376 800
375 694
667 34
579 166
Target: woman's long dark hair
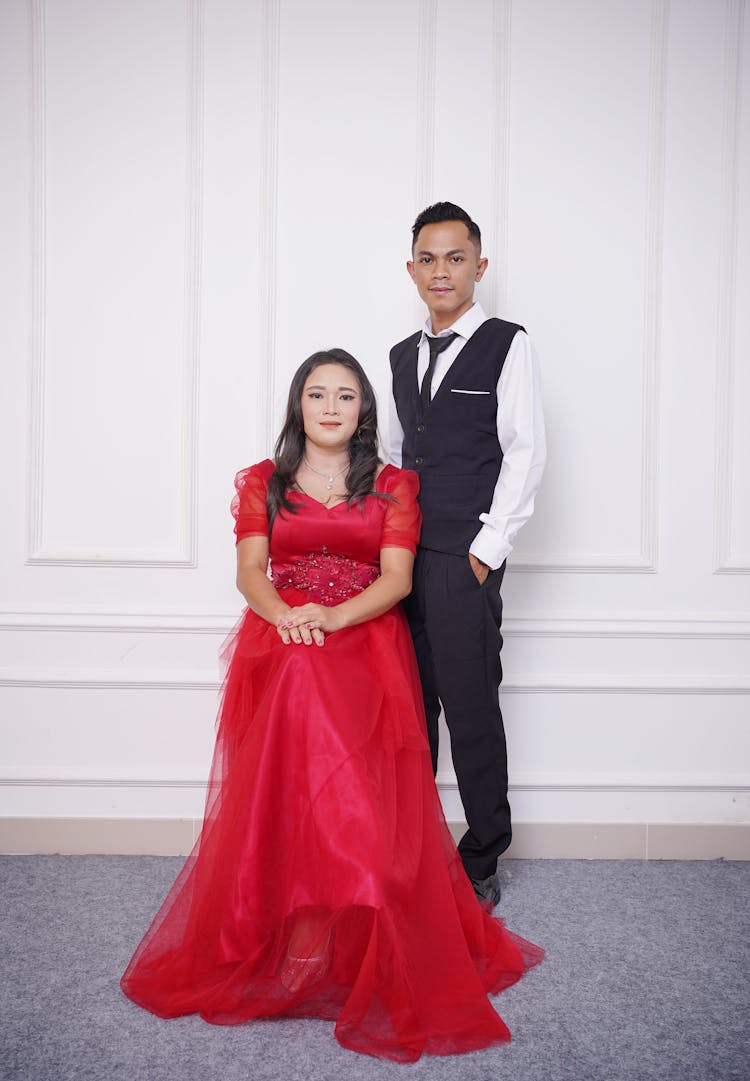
290 446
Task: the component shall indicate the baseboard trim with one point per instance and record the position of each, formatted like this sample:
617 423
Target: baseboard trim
532 840
630 840
98 836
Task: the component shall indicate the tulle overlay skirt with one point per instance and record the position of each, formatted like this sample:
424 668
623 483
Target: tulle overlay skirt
325 882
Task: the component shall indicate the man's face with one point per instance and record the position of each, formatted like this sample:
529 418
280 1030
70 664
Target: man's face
445 266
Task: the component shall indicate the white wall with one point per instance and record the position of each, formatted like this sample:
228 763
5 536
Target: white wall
199 193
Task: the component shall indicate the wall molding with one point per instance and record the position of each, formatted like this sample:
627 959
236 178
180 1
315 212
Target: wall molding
652 303
726 561
193 281
177 680
646 560
610 563
425 104
185 553
36 398
268 217
500 169
111 679
639 625
9 779
615 782
77 622
519 782
664 625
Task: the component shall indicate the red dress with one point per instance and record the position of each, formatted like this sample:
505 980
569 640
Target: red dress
321 804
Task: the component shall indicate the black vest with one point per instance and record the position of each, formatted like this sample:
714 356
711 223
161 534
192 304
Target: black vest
454 447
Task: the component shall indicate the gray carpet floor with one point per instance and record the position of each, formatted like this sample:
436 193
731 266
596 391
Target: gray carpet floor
647 976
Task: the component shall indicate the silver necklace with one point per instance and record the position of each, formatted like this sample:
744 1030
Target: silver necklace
329 477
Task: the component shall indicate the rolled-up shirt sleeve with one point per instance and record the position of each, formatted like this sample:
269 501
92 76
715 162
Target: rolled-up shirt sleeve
520 430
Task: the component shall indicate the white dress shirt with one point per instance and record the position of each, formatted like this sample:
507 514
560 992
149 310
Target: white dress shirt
520 432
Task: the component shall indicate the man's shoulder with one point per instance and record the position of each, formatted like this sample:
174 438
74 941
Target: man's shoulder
405 346
492 341
494 325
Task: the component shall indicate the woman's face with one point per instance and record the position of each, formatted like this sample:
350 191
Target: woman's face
331 403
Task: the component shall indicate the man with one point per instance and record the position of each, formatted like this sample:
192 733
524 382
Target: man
466 415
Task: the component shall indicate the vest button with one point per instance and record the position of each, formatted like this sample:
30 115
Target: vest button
420 428
418 461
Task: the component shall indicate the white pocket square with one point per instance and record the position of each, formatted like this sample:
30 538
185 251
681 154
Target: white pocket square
454 390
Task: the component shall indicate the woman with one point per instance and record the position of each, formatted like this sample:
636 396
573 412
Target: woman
325 882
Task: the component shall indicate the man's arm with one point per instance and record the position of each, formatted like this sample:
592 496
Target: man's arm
520 430
394 440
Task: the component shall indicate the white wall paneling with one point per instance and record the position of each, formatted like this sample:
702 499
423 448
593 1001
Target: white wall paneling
350 139
615 134
425 127
500 145
267 226
199 196
733 380
114 406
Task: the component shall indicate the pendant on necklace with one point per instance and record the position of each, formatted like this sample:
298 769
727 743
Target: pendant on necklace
329 484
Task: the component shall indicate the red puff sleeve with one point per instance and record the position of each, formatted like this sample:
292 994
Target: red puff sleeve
403 519
249 504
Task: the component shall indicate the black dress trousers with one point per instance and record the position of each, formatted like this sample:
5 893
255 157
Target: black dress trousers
455 623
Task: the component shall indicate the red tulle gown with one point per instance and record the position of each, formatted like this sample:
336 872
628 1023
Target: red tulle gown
325 882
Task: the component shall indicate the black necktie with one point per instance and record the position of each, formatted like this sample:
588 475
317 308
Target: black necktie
437 345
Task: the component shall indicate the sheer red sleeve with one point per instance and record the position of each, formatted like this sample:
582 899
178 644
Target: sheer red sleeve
403 519
249 504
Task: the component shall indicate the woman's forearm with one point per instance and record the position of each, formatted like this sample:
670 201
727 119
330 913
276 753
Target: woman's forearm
257 589
386 591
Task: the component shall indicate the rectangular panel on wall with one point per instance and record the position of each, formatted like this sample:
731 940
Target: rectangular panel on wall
146 729
584 233
116 209
471 127
347 134
458 168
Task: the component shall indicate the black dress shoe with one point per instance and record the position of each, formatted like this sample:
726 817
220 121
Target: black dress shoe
487 889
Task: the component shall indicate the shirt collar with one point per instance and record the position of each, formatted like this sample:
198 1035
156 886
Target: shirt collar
464 326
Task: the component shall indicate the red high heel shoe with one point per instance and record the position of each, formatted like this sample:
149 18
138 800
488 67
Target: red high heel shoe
308 954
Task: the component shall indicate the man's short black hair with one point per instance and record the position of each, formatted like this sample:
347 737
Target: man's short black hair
438 212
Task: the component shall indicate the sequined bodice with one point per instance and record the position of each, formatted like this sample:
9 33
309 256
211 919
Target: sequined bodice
328 578
329 554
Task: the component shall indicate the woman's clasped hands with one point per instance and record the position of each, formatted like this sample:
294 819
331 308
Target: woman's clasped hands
308 624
